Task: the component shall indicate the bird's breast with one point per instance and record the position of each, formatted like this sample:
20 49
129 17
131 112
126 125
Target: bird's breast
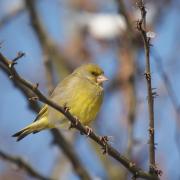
82 97
86 103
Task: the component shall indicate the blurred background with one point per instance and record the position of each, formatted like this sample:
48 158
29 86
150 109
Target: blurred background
58 36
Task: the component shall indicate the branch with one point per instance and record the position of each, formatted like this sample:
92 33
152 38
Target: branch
141 26
58 138
22 164
136 171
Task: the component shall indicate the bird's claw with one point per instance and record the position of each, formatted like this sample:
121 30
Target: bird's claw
104 140
76 120
66 108
72 125
88 130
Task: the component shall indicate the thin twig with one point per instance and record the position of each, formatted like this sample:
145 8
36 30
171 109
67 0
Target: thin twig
141 26
19 162
136 171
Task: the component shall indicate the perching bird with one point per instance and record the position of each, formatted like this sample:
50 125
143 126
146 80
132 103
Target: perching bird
81 92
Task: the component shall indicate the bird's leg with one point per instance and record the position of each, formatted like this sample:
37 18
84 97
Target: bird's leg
104 140
66 108
88 130
72 125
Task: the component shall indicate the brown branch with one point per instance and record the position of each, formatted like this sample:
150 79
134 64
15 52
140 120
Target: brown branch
22 164
141 26
136 171
58 138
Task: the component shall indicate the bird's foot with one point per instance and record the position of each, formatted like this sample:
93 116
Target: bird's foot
73 125
88 130
104 140
66 108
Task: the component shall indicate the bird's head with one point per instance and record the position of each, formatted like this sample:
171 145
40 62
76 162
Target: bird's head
92 72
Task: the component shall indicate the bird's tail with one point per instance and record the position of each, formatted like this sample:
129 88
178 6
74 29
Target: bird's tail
35 127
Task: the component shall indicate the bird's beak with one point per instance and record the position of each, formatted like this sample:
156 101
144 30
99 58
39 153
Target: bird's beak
101 79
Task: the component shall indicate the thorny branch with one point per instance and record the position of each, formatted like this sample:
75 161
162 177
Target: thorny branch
136 171
22 164
58 138
141 26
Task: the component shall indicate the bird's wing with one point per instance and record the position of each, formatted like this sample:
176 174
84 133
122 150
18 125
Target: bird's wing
57 96
62 95
42 112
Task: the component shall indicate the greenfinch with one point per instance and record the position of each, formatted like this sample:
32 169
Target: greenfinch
82 92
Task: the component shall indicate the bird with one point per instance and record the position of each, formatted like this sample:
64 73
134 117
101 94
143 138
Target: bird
82 92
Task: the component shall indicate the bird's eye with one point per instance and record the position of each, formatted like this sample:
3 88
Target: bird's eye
94 73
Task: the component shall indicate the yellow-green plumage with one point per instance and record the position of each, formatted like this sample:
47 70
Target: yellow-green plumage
80 91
